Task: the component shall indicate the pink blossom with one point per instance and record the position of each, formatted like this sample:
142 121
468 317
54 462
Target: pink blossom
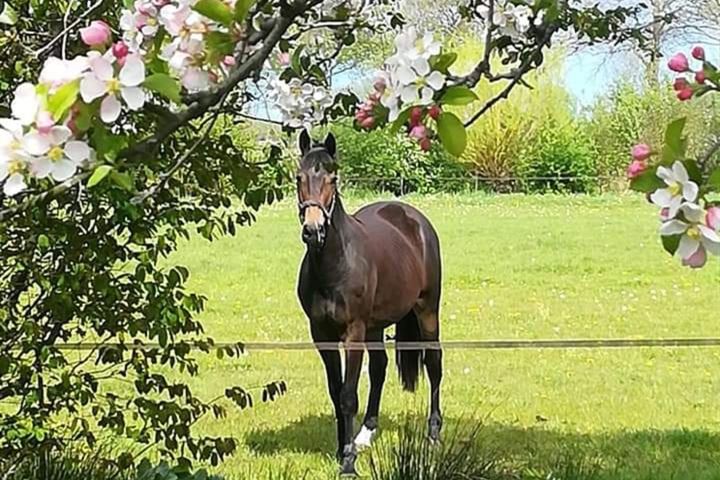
368 122
700 77
712 218
680 84
434 112
283 59
419 132
685 94
361 115
641 152
679 63
697 259
636 168
698 53
120 49
98 33
425 144
374 97
229 61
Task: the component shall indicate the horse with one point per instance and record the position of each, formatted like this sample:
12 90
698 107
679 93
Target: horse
360 274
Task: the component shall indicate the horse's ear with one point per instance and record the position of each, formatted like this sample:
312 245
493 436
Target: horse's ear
330 144
304 142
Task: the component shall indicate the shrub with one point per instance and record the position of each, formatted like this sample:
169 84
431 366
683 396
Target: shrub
559 151
630 115
379 159
495 141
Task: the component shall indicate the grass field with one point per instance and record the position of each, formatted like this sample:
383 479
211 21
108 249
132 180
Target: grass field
515 267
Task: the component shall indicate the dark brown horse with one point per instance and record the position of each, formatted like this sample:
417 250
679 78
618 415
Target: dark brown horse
362 273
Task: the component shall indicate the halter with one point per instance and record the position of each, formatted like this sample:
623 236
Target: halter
327 212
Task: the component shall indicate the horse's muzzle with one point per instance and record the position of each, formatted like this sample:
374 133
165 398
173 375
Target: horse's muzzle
314 235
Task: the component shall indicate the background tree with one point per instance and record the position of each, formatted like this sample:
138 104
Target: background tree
81 254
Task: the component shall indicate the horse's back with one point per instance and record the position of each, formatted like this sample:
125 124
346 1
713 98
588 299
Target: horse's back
406 246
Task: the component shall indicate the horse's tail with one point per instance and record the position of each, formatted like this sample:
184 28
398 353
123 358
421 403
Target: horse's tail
409 362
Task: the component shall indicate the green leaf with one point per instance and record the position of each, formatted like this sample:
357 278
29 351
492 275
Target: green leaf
43 241
693 170
295 59
674 143
8 16
443 62
215 10
400 120
458 95
165 85
220 44
61 101
123 180
98 175
83 119
671 243
452 133
646 182
713 182
242 7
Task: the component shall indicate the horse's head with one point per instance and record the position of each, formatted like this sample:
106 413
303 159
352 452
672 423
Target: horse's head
316 188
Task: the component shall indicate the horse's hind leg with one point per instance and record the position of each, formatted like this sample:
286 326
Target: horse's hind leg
377 368
430 332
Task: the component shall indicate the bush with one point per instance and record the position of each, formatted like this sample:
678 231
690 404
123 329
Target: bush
379 159
559 151
630 115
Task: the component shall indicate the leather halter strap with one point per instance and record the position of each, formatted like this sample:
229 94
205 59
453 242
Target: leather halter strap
327 212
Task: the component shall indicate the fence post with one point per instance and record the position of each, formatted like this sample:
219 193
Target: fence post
476 181
402 185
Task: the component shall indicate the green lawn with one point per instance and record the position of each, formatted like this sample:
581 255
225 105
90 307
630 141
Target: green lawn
515 267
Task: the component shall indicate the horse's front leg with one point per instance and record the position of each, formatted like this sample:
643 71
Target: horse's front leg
377 369
333 369
349 397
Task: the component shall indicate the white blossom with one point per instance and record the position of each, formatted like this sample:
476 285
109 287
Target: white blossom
679 189
13 158
56 154
101 81
696 239
300 103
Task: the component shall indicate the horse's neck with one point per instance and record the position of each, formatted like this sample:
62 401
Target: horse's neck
331 262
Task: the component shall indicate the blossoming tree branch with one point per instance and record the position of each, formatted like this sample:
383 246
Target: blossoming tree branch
684 189
119 137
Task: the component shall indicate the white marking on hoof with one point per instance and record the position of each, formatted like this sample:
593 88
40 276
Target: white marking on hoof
364 437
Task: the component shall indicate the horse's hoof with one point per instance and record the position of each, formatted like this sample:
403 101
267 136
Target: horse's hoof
347 467
434 427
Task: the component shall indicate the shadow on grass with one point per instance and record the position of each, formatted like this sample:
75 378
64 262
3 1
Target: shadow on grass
533 452
311 434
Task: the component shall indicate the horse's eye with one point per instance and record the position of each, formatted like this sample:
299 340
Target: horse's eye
298 178
333 179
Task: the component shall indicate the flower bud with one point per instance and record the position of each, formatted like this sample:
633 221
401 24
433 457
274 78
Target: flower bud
685 94
680 84
698 53
434 112
700 77
679 63
368 122
98 33
641 152
415 116
419 132
120 49
425 144
636 168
